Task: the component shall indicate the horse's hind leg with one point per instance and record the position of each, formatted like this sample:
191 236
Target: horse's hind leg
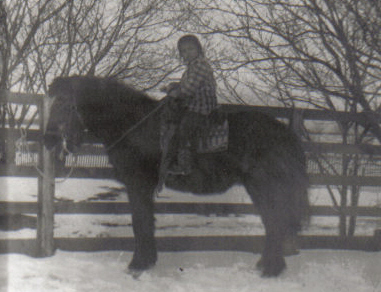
272 261
274 219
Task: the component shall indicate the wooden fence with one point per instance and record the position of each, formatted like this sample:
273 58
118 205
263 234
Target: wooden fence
40 163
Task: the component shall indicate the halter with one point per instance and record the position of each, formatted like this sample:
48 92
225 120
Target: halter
74 109
70 107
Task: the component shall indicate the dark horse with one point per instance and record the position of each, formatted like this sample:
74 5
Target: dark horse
264 155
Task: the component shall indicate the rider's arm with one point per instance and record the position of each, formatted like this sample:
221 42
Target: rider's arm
198 74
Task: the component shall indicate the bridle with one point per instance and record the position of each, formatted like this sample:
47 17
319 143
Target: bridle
74 110
71 104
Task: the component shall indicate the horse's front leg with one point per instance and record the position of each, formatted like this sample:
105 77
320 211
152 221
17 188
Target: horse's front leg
142 204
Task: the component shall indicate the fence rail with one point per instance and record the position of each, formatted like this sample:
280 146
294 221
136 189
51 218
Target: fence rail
20 98
173 208
108 173
252 244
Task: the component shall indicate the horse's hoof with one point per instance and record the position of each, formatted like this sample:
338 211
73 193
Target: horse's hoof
137 270
134 273
271 269
140 266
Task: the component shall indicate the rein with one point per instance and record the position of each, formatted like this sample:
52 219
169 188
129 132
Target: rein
163 102
138 124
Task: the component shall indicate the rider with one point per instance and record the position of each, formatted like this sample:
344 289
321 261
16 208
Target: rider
196 92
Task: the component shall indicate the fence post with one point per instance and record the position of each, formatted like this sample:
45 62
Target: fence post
45 213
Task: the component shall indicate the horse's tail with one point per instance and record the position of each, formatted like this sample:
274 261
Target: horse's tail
301 216
300 205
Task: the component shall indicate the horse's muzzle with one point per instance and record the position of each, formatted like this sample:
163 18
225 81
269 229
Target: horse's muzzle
51 139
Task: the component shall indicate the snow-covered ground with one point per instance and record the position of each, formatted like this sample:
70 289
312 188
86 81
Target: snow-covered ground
317 270
311 271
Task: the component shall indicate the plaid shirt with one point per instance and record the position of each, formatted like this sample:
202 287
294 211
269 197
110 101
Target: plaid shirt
198 86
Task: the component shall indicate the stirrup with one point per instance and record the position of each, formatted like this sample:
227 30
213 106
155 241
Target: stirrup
183 165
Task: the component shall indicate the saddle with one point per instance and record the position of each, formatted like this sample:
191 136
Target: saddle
215 135
214 138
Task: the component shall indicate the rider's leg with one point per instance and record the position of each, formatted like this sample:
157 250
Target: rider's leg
188 136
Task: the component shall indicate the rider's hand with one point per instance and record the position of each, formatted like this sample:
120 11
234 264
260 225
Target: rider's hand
172 89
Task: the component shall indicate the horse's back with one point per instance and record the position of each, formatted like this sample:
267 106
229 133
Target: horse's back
258 129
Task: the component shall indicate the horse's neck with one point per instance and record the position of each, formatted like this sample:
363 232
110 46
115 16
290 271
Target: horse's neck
135 124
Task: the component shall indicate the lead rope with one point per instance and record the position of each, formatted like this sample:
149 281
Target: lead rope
22 146
62 156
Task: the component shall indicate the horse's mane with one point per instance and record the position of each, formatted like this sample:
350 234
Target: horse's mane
99 89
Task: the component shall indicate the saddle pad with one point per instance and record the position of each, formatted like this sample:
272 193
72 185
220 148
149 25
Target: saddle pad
215 138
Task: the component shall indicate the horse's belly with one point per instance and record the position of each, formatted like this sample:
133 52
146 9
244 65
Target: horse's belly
198 184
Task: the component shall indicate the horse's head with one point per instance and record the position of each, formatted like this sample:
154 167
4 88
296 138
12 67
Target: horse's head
65 125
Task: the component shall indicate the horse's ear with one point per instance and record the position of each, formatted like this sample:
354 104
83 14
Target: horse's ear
62 86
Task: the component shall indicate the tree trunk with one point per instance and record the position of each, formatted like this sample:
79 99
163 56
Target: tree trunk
342 216
10 147
344 188
355 194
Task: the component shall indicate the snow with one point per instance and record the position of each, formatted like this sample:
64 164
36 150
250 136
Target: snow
311 270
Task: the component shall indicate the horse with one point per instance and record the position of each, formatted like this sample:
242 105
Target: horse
264 155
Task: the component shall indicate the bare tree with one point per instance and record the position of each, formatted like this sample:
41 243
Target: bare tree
109 38
4 40
294 39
